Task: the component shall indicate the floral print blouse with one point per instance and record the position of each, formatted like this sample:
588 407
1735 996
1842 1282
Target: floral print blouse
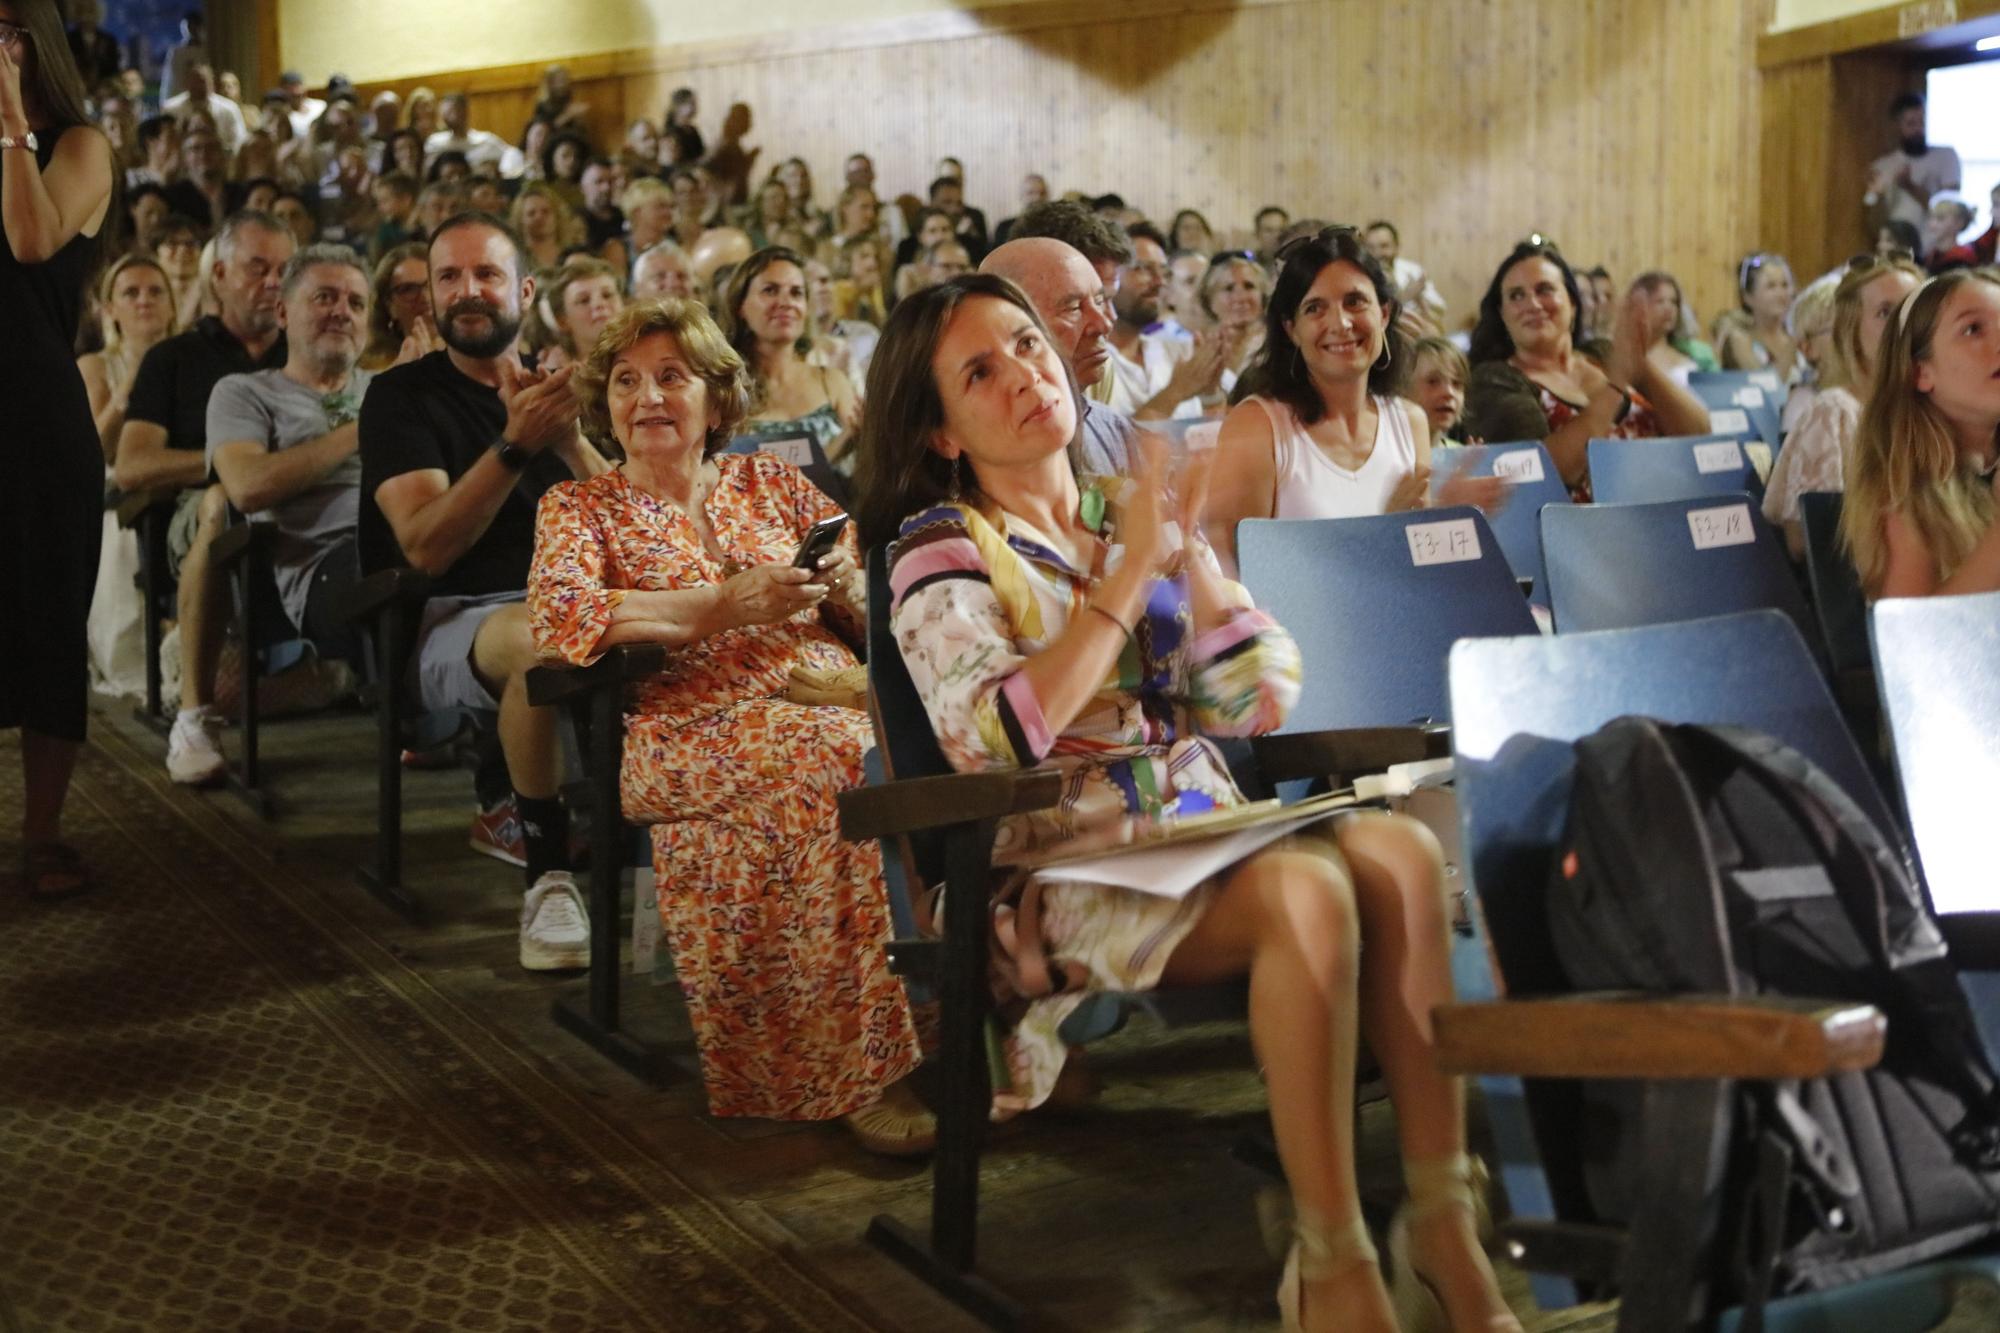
976 593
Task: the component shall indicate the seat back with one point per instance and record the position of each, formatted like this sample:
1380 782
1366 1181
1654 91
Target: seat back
903 734
1836 588
1376 603
1618 566
802 451
1516 707
1674 468
1740 408
1935 666
1532 483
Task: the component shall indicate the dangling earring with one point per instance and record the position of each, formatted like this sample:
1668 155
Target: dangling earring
1388 352
957 478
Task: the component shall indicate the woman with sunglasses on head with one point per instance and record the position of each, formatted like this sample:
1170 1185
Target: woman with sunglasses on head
56 190
1815 452
1317 430
1759 338
1922 515
1081 624
1530 381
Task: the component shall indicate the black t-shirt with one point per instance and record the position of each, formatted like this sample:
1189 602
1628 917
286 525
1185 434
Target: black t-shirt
174 380
430 414
597 230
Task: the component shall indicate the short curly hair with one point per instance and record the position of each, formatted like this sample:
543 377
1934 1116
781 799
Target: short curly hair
708 355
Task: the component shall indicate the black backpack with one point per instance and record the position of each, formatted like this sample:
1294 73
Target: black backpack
1716 860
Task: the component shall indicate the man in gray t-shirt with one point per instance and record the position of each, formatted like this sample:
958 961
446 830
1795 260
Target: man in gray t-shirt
283 442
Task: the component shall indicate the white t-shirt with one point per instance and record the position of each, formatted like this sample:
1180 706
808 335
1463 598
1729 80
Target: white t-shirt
1936 170
483 149
1133 384
228 117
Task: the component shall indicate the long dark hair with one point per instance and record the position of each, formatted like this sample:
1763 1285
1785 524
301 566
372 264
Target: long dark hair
1279 370
56 83
740 336
897 473
1490 339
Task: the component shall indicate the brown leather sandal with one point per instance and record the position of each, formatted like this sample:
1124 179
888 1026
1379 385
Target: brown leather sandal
53 870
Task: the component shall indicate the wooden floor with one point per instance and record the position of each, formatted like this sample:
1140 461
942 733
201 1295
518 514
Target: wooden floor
1134 1215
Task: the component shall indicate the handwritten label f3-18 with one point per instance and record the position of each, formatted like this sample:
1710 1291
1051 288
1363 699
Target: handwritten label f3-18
1443 543
1724 525
1728 421
1718 456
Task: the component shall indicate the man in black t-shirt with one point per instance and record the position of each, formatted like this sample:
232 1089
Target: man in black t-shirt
456 450
162 446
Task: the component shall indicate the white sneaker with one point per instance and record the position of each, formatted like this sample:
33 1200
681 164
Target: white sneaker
193 757
555 931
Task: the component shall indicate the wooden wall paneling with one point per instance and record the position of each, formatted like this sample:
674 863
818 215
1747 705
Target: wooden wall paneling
1628 129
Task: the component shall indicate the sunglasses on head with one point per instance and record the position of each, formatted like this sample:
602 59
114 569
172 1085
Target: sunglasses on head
1541 242
1323 236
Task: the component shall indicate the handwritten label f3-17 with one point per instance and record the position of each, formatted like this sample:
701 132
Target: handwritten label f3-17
1443 543
1723 525
1518 466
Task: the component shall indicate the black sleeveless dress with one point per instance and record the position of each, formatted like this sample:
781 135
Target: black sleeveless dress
51 487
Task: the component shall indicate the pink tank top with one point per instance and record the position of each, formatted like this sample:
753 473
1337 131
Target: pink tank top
1311 485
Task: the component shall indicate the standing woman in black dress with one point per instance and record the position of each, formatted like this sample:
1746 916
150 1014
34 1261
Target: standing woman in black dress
55 193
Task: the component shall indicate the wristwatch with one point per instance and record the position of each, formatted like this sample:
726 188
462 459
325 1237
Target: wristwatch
26 141
511 455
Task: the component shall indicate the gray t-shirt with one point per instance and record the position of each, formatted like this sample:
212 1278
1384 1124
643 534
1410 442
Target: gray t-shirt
270 406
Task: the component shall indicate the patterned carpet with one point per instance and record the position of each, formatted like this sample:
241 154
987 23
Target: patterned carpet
225 1108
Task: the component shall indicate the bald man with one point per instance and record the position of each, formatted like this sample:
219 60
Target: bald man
1068 293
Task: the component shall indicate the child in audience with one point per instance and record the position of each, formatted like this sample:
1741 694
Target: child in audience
1438 372
1921 514
1815 452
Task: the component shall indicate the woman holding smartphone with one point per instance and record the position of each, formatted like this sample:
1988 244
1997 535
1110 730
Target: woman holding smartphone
777 924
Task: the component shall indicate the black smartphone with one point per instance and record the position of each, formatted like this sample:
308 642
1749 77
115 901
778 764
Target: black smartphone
820 538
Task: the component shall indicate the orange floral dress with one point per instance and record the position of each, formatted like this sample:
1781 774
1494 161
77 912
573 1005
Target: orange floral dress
777 925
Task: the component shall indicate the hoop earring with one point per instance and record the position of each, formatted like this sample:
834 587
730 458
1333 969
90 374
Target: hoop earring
1383 361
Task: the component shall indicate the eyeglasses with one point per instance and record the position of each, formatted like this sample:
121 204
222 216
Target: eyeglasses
1321 237
13 35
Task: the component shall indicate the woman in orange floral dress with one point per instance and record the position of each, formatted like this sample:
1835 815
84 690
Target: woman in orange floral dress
777 925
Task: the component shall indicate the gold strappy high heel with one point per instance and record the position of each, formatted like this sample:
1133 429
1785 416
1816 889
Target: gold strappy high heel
1436 1187
1316 1253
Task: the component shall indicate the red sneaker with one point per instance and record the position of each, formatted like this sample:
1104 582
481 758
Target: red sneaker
497 833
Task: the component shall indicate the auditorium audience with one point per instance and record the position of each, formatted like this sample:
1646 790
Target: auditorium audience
1019 591
200 99
1921 515
1418 301
178 248
1530 381
1816 450
1902 182
556 101
164 446
770 328
583 296
456 449
1268 227
1317 430
1034 190
1153 376
1190 231
481 149
681 140
1064 258
1760 339
1673 347
1811 321
1232 293
548 226
59 186
794 1009
283 442
1436 383
662 270
137 301
399 311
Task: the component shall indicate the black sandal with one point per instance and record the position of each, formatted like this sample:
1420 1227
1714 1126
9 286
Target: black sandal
53 870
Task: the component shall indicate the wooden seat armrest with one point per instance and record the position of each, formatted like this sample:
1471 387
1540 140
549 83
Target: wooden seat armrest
554 682
238 541
1348 752
133 504
916 804
385 588
1617 1034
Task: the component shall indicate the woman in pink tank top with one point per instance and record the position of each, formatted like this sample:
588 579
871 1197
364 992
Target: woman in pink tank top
1316 430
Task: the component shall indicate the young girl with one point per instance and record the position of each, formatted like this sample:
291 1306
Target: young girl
1437 384
1921 513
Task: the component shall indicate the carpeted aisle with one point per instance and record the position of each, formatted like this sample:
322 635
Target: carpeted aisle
222 1107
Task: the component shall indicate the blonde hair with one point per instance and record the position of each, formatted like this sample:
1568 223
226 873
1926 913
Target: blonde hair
1906 459
1445 353
114 337
571 271
569 226
1846 360
642 191
718 365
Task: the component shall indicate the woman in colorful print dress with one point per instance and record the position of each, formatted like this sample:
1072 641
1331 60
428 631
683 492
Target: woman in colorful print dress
1048 619
777 925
